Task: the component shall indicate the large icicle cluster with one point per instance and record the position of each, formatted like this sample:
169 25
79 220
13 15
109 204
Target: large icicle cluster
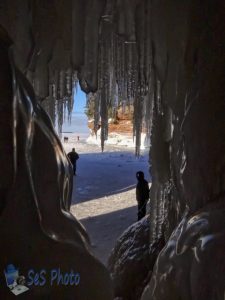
125 56
42 35
107 47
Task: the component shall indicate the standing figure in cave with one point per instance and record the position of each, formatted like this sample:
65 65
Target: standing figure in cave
73 157
142 194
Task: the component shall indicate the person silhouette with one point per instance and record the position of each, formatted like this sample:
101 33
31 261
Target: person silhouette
142 194
73 157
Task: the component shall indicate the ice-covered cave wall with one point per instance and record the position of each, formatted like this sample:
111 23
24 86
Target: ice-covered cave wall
38 233
42 36
58 42
188 149
167 59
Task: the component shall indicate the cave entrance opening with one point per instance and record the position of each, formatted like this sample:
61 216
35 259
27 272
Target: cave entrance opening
103 198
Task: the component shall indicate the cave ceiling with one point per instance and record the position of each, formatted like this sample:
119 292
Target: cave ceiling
105 45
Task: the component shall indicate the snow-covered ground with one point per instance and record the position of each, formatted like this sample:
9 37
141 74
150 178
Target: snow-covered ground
117 139
104 190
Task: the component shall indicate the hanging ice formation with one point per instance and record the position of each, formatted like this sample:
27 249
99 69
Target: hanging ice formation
108 48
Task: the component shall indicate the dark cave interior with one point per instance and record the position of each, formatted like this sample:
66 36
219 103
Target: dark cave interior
166 58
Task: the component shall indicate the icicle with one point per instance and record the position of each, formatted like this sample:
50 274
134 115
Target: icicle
75 81
69 96
61 91
158 97
52 109
68 75
138 108
120 69
123 84
149 106
72 90
104 119
141 47
131 71
148 45
97 112
59 116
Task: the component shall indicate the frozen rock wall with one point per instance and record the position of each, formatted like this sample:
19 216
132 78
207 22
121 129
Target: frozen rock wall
189 60
131 261
37 231
191 265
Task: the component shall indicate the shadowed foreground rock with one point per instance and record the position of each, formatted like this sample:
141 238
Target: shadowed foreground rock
131 261
37 230
192 265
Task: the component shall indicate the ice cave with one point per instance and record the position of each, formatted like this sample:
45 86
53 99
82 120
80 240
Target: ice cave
166 58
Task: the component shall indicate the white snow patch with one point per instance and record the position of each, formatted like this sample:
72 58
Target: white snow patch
118 140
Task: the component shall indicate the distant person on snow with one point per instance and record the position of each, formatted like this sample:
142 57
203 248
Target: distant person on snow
142 194
73 157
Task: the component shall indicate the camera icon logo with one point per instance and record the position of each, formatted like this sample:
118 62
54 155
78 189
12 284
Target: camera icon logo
15 283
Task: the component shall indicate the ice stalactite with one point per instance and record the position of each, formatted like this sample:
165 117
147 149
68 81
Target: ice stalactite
108 49
120 67
113 34
69 92
148 108
137 128
105 78
42 46
89 70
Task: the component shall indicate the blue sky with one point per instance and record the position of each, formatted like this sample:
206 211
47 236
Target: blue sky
79 122
79 101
